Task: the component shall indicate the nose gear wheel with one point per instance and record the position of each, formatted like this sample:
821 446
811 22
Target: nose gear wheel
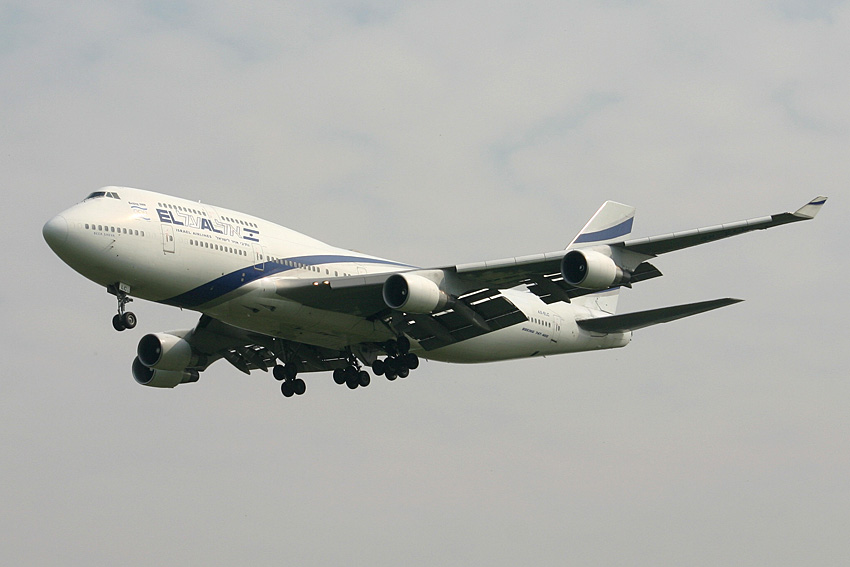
124 319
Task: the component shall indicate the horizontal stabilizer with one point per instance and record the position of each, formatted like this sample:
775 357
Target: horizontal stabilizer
641 319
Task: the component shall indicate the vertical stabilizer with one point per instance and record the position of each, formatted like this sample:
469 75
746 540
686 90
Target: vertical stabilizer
611 223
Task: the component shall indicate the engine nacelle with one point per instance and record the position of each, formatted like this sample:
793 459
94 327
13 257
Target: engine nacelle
414 294
162 378
589 269
164 351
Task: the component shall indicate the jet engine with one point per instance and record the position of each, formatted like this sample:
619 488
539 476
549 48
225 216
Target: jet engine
162 378
165 351
165 360
414 294
593 270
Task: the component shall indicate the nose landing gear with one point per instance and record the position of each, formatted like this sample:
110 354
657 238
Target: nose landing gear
124 319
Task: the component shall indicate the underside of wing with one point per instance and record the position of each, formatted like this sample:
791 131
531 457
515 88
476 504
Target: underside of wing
249 351
472 315
356 295
552 287
476 311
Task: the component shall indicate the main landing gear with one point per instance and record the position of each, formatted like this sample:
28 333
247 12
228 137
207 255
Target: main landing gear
400 361
398 364
124 319
291 385
352 375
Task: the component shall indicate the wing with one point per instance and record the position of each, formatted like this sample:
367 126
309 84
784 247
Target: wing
655 245
542 271
249 351
473 313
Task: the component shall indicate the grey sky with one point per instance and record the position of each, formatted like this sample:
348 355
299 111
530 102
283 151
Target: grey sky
437 133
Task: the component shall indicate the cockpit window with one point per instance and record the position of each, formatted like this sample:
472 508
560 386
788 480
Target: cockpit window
97 194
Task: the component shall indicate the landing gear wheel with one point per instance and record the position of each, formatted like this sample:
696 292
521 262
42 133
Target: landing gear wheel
123 320
352 381
287 389
411 361
290 371
364 378
391 375
339 376
379 367
299 387
403 373
128 319
278 373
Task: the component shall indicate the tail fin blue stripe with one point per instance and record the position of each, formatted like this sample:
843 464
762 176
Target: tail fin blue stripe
621 229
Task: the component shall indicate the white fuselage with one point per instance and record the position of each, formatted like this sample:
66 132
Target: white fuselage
225 264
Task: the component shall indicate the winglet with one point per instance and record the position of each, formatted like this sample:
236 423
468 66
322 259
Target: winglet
810 209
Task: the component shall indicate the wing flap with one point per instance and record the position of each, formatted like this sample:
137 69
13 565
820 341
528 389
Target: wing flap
452 325
641 319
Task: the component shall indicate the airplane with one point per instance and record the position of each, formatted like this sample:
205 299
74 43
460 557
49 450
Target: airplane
272 298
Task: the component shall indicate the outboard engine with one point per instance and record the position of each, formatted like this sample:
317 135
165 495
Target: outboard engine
592 270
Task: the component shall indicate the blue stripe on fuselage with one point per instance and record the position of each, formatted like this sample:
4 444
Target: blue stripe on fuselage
230 282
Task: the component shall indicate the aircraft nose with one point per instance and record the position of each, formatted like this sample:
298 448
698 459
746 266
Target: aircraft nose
55 231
